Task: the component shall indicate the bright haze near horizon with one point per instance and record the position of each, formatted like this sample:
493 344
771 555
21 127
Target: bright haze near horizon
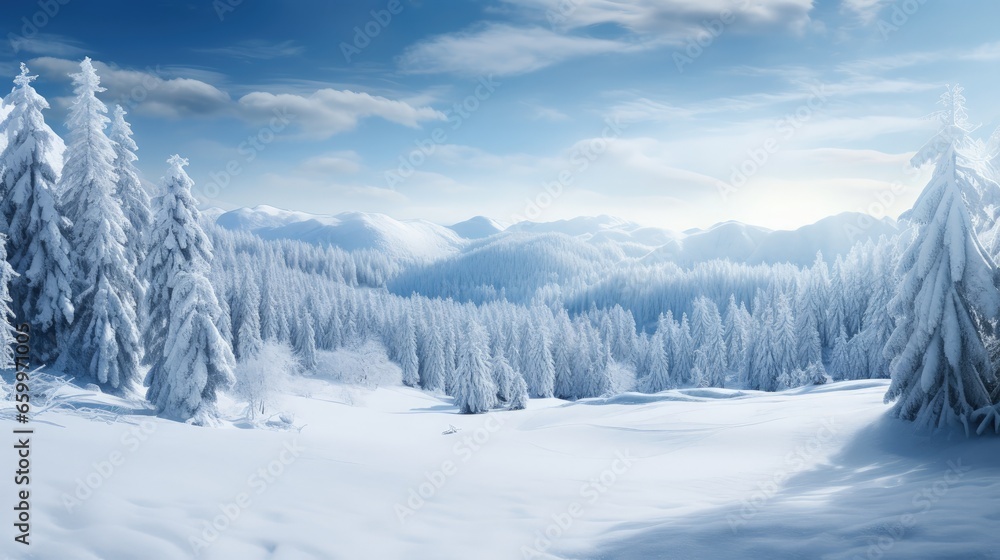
645 110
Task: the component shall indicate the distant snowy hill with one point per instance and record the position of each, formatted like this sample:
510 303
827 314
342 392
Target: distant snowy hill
756 245
614 237
834 236
409 239
478 227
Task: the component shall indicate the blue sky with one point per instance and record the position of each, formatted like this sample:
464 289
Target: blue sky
787 111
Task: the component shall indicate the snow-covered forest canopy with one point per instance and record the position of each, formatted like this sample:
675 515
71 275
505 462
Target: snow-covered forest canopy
125 287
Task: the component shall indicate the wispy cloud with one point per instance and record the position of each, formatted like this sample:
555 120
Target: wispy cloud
865 10
46 44
329 111
500 49
256 50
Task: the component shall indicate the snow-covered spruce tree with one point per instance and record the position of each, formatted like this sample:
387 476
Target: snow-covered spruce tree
37 246
475 392
941 371
8 335
809 349
737 333
105 338
198 361
182 382
878 323
682 352
562 358
129 190
406 349
245 313
658 377
512 391
539 370
707 331
433 368
305 341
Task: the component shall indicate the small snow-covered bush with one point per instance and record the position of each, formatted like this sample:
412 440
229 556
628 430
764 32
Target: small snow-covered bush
364 363
261 377
622 377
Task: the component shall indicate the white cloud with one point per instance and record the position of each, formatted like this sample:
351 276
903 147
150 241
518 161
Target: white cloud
500 49
329 111
865 10
671 20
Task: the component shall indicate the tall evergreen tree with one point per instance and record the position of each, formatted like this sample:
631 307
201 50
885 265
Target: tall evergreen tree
407 350
305 341
245 313
475 392
38 249
182 383
941 371
129 190
105 336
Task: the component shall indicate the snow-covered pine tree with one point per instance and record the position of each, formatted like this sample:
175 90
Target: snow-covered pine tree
562 358
682 352
475 392
8 334
658 377
105 336
941 371
37 246
539 370
245 313
198 362
737 334
433 368
305 341
129 190
878 323
179 249
407 350
707 332
842 364
512 391
809 349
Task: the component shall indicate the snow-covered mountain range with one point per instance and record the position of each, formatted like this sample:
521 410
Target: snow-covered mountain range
426 241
